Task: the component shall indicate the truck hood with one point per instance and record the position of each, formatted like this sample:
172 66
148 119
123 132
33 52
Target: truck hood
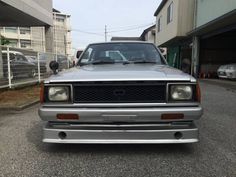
120 72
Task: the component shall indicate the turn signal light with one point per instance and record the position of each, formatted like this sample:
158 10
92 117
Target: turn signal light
41 93
67 116
198 93
172 116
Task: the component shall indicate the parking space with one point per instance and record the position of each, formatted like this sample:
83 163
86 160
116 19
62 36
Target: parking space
218 49
23 154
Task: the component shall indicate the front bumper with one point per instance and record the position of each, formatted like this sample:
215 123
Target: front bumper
159 133
101 115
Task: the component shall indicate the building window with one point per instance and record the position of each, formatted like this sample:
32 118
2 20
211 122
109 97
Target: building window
11 29
12 42
60 20
170 13
25 44
159 24
25 30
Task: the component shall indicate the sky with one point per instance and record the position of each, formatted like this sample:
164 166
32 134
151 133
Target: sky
122 18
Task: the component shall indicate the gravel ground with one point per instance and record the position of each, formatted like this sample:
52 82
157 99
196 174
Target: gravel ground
23 154
19 97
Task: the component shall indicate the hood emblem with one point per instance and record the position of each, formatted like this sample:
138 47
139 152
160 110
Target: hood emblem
119 92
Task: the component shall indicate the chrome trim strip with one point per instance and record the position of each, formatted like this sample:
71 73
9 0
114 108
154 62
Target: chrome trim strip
128 79
107 141
116 125
123 105
118 115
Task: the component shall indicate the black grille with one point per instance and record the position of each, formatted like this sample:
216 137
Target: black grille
120 93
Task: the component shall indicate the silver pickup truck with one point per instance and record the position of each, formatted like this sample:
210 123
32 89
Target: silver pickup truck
120 92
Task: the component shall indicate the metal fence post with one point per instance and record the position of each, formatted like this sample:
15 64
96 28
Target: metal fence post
39 72
9 68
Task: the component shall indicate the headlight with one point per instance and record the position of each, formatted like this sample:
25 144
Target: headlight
58 93
181 92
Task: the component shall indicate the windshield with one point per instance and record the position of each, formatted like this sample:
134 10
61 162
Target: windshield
112 53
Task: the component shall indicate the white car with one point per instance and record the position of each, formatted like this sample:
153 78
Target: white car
227 71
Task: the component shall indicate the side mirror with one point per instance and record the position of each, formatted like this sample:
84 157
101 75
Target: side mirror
54 66
79 53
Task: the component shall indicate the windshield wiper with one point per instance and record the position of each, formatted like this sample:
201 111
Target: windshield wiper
126 62
142 61
99 62
138 62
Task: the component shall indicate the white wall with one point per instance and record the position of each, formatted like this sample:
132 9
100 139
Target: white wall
39 9
168 31
150 36
62 36
182 23
208 10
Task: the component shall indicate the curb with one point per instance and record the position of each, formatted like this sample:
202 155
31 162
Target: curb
19 108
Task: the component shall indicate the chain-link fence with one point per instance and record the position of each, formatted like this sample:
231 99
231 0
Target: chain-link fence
21 67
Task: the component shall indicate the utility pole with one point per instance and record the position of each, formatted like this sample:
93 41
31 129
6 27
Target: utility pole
55 34
105 33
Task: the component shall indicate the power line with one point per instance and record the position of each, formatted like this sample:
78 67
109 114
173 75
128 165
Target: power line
106 32
118 28
87 32
132 26
91 33
130 29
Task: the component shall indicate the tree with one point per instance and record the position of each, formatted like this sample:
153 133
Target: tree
4 41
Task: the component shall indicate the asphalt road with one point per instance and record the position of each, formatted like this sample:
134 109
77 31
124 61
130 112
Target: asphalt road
23 154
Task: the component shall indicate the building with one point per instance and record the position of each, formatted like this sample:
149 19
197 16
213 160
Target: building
34 37
174 19
62 33
29 13
214 36
200 35
25 37
149 34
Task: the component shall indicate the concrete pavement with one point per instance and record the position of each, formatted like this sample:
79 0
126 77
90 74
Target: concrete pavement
23 154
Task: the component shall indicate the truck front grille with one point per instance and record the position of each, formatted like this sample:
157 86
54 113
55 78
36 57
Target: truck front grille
120 92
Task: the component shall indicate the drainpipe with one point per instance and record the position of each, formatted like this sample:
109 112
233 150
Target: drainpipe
196 46
195 56
1 62
195 14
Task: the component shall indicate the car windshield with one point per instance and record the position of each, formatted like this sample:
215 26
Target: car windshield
30 59
126 53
